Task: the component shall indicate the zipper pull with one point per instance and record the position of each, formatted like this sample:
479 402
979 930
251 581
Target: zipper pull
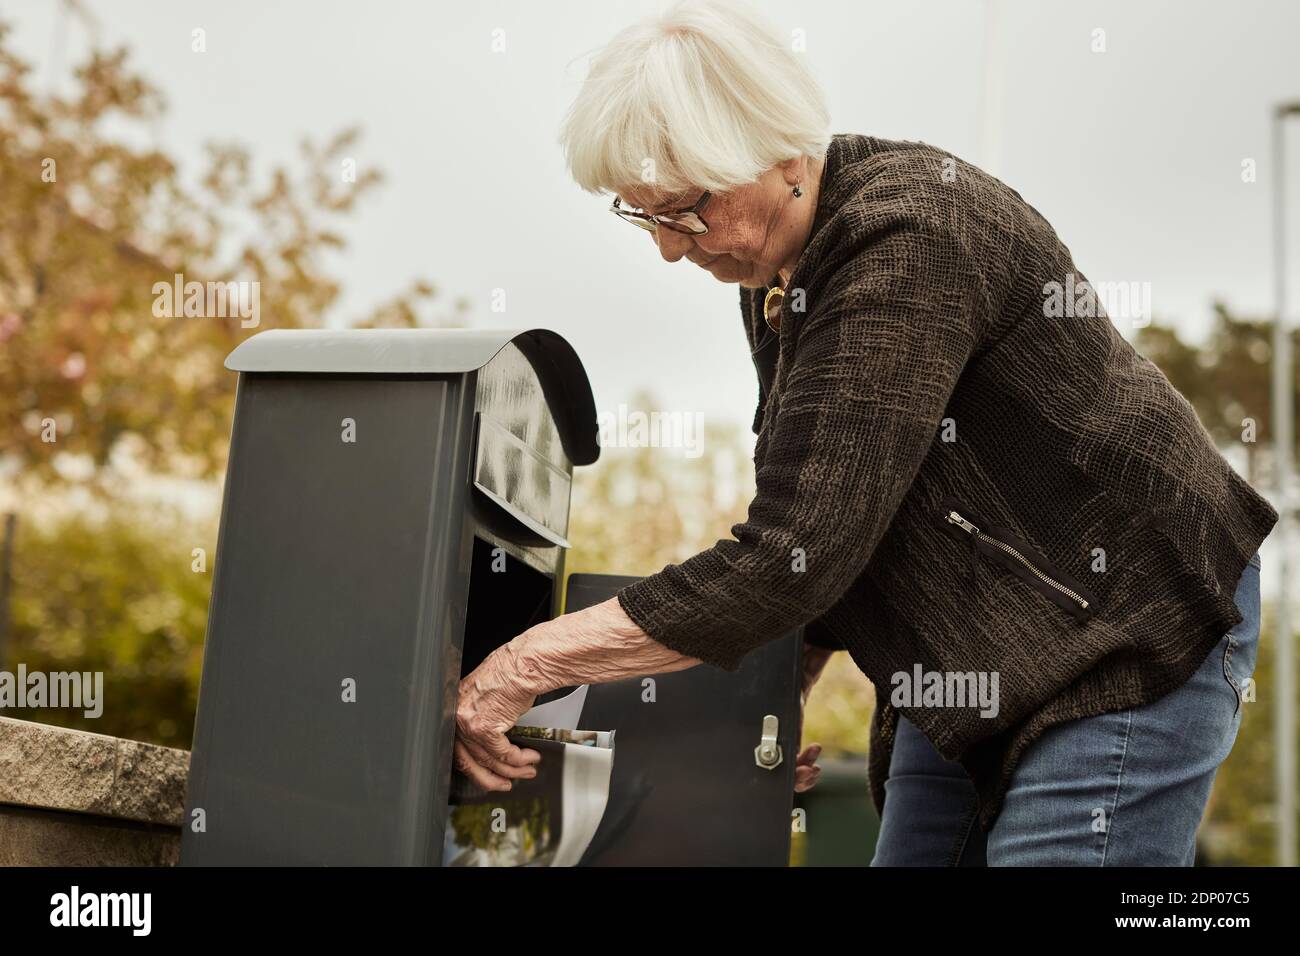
954 518
973 554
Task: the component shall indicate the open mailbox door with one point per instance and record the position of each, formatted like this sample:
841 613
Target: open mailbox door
694 781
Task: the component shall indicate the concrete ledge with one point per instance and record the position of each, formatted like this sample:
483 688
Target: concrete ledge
52 838
53 768
68 797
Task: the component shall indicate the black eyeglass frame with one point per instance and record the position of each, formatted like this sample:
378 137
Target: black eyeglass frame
651 221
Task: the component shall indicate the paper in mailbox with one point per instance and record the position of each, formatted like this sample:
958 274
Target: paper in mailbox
548 820
562 714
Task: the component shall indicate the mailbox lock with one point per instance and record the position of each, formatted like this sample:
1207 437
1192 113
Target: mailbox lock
768 752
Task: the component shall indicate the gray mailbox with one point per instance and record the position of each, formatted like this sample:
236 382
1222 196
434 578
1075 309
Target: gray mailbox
379 483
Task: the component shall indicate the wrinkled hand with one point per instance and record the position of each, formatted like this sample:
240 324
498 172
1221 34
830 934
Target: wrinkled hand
491 700
592 646
806 771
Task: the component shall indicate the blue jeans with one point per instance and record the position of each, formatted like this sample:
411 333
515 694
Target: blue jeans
1121 789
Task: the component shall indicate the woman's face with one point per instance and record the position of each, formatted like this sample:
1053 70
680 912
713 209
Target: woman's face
754 230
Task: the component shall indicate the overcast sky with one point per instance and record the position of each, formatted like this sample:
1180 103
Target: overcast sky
1133 154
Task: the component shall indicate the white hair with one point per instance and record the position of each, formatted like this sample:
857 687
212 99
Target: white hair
705 95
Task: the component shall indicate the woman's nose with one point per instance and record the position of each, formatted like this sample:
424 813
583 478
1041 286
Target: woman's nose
673 245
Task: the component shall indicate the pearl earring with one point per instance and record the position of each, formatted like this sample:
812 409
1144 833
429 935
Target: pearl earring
797 191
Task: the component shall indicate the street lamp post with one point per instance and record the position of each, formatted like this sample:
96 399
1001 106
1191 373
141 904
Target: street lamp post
1284 443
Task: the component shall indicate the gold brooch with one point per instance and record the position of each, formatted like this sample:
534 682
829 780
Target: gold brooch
772 306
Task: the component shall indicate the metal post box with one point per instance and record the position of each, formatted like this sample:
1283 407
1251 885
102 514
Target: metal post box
396 506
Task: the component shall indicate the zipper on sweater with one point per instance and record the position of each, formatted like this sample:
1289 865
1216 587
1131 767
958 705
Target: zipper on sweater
955 518
1020 558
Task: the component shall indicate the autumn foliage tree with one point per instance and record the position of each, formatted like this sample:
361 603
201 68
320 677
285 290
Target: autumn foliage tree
91 220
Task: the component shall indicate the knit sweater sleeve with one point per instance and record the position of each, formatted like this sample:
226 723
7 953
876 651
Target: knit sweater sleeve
887 329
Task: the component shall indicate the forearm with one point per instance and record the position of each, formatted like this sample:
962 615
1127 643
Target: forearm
592 646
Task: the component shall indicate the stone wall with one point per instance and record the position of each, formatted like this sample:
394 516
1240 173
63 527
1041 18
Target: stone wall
71 798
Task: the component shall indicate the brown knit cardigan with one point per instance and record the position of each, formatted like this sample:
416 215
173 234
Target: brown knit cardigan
922 374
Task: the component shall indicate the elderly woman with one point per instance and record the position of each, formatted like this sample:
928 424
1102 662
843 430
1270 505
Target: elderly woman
961 480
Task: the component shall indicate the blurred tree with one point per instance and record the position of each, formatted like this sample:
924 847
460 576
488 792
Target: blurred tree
1226 380
639 508
91 221
118 595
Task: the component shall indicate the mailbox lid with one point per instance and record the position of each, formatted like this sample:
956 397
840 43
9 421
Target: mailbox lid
435 352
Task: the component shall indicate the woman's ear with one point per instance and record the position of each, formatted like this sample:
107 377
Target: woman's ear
792 170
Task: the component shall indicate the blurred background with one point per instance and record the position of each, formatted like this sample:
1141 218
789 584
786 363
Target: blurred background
398 166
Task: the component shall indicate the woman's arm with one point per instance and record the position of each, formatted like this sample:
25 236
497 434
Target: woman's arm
592 646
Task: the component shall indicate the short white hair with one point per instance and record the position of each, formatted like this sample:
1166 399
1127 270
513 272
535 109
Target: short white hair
705 95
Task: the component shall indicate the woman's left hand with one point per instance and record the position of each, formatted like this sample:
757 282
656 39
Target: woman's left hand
806 770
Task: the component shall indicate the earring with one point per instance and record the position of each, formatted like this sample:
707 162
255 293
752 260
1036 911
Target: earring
797 191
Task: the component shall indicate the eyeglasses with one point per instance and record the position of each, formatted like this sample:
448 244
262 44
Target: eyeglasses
687 221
